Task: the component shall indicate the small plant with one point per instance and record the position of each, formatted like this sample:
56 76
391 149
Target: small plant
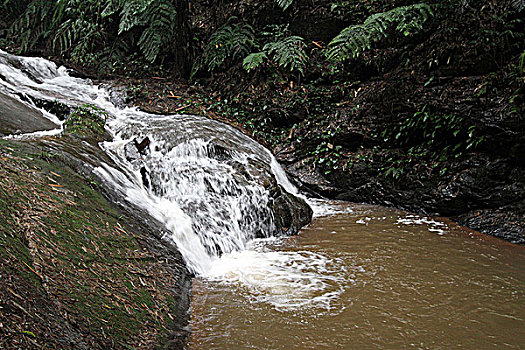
230 42
287 53
284 4
446 133
86 120
327 156
429 137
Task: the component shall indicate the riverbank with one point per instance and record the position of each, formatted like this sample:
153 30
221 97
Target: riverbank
78 272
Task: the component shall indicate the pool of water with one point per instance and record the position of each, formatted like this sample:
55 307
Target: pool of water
370 277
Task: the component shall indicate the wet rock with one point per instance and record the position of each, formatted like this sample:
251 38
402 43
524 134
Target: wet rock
218 152
142 145
506 222
145 177
290 212
17 118
59 109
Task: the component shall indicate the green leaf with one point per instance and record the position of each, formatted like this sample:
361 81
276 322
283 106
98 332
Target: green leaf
253 61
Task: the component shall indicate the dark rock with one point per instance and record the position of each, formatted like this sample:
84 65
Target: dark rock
291 212
17 118
142 145
145 177
218 152
507 222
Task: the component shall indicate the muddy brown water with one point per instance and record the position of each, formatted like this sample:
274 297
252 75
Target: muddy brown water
404 281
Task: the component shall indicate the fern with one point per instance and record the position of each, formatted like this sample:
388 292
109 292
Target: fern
254 60
30 27
231 41
160 31
133 13
284 4
354 40
81 28
288 53
283 50
517 5
109 58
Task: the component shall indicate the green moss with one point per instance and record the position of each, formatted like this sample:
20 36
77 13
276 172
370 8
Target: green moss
86 120
98 267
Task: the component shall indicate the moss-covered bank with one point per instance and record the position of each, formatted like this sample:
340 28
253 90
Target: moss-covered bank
75 273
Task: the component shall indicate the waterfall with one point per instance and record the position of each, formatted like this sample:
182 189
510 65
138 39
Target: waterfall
207 191
201 178
209 185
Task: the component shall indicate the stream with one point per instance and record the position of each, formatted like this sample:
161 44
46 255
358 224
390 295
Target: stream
357 277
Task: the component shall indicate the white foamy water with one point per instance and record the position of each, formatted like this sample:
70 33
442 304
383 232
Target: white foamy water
202 180
286 280
433 226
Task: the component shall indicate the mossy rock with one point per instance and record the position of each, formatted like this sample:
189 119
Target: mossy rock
87 121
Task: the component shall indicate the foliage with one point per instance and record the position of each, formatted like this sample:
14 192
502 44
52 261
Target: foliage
522 62
157 17
444 135
355 39
328 156
284 4
231 41
429 138
86 119
254 60
83 28
517 5
287 53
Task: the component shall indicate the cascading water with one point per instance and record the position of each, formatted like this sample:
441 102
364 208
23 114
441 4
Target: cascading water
209 184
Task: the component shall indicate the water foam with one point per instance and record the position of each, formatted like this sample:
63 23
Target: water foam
437 227
286 280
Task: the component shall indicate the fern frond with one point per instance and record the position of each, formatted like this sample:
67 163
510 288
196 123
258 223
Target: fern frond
132 14
288 53
254 60
232 41
109 58
64 37
284 4
517 5
355 39
160 32
31 26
